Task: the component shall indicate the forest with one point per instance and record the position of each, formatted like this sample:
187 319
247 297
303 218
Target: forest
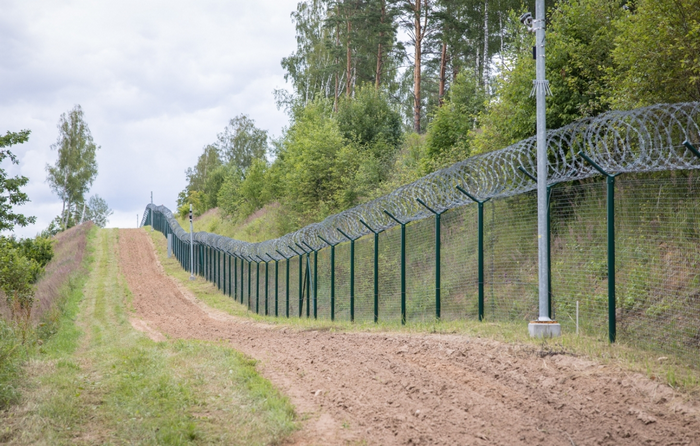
384 92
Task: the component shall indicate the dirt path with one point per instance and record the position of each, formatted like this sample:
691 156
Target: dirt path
422 389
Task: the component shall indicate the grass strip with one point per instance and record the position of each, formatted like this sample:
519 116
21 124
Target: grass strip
668 369
99 381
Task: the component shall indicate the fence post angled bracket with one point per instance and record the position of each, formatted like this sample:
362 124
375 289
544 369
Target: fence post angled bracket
480 225
332 245
437 256
352 274
376 269
403 265
610 179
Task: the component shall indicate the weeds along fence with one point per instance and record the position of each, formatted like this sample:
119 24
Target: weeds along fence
461 243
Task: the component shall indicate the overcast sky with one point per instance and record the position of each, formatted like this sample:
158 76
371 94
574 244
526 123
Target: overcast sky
157 80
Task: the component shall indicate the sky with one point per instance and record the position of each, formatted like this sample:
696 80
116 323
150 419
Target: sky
157 81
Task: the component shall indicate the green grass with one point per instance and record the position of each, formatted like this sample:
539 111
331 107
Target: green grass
264 224
100 381
671 370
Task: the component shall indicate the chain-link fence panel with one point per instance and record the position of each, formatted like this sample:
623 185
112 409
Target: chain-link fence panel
488 251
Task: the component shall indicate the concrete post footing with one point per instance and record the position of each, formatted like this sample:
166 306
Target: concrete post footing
542 329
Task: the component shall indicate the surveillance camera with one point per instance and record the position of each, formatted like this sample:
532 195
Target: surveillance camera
526 19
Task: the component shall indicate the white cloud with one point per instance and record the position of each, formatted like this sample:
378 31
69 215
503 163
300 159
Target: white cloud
157 81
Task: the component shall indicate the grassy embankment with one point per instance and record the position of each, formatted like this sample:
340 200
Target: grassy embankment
97 380
669 370
63 276
261 225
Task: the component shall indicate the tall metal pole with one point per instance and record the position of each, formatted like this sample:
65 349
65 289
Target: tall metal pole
549 235
151 211
541 89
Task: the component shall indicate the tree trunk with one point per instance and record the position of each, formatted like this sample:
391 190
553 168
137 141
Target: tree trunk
417 66
485 67
349 60
337 80
378 77
67 216
63 212
443 67
500 27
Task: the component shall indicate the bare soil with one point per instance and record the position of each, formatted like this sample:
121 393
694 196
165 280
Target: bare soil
369 388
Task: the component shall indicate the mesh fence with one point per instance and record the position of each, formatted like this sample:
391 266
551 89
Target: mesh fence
657 240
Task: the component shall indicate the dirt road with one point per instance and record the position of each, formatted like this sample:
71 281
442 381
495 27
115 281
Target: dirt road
421 389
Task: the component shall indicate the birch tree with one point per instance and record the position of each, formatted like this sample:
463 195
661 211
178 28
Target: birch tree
76 167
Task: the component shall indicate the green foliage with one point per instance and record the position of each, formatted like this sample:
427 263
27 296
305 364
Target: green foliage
656 53
17 277
98 211
310 149
241 143
12 355
368 118
229 198
10 193
580 48
53 228
76 167
447 133
580 42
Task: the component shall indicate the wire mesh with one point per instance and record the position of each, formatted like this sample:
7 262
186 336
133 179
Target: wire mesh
657 239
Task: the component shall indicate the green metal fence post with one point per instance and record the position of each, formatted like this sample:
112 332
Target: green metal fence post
376 270
612 317
250 304
352 274
332 277
315 281
480 224
301 290
286 287
276 282
267 282
235 277
403 266
242 281
257 287
307 280
692 148
437 255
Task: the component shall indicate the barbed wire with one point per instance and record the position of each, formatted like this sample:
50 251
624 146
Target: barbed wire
643 140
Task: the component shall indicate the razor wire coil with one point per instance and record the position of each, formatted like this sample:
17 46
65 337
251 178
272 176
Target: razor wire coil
642 140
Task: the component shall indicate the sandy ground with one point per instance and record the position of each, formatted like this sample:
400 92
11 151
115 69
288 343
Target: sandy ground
362 388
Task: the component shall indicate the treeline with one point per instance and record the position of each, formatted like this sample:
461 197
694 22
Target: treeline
371 110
